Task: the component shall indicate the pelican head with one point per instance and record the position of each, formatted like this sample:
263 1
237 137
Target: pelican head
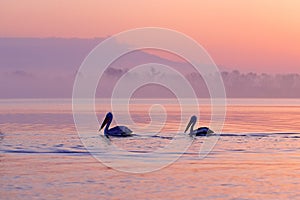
192 122
108 118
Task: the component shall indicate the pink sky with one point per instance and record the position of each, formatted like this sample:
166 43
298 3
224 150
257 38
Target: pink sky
258 36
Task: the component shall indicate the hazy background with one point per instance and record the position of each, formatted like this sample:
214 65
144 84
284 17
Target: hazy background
256 44
46 68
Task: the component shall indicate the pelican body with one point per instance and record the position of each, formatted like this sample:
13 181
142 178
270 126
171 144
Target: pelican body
202 131
117 131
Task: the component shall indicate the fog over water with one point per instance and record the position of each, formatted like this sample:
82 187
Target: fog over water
46 68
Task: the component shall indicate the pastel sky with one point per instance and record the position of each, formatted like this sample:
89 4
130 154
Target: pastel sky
251 36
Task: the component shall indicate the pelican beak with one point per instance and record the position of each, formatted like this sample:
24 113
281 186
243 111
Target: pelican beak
188 126
103 124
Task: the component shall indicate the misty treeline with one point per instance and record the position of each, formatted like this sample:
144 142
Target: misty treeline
252 85
237 84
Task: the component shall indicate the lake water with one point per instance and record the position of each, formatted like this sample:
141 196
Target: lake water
257 155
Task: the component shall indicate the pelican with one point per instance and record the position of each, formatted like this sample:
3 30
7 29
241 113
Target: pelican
202 131
117 131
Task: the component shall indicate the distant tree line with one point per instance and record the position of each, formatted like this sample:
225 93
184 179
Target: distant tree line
252 85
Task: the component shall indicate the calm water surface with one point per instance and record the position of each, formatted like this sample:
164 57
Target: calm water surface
256 157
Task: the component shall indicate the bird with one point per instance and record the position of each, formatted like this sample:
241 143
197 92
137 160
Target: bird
117 131
202 131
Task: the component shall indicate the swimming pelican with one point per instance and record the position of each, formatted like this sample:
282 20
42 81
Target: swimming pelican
117 131
202 131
